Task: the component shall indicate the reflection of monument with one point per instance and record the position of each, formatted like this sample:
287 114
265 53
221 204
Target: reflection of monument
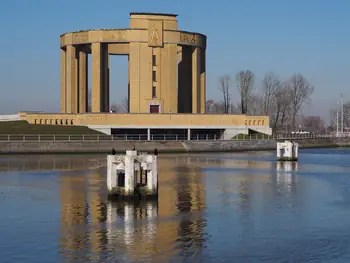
210 161
81 214
52 163
97 211
91 225
153 229
74 211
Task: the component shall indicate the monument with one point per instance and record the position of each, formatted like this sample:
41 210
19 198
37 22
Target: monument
156 49
166 83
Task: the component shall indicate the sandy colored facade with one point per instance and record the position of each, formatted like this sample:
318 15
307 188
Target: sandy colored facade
167 80
159 56
129 120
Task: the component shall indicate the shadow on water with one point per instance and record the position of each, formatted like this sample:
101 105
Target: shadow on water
243 207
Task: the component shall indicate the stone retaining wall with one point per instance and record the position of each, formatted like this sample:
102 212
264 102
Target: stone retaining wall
149 146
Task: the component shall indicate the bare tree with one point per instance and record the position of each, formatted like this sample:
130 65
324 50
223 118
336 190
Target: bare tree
255 104
245 79
210 106
333 118
270 85
301 91
117 108
224 87
282 106
125 104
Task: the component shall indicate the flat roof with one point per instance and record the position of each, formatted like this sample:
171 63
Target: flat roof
153 14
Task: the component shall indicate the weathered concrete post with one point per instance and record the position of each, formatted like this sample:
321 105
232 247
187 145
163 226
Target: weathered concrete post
152 175
287 151
122 172
111 173
130 173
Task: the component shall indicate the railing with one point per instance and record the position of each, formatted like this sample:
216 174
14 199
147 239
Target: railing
159 137
103 137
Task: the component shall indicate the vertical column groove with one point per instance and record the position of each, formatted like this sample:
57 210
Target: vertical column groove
83 82
96 96
196 80
72 80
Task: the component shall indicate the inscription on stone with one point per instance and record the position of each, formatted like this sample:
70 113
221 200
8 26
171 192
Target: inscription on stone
155 33
80 37
188 38
119 36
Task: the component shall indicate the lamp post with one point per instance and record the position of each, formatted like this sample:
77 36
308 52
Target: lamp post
337 118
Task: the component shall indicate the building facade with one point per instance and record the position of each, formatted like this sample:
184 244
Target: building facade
166 87
166 66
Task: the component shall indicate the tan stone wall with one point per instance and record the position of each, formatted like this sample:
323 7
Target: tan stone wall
147 119
152 43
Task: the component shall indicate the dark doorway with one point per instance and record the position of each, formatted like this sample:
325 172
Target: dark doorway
154 108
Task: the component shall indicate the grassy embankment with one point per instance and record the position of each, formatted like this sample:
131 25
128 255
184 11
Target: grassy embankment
15 131
23 127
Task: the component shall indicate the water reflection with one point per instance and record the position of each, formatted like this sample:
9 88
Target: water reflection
51 162
93 228
87 162
211 208
286 178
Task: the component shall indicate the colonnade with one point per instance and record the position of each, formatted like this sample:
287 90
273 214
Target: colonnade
191 80
74 78
191 93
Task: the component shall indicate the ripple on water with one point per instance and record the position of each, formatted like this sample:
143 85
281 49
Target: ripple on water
219 208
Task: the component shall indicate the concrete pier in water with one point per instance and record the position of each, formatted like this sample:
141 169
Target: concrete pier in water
287 151
132 176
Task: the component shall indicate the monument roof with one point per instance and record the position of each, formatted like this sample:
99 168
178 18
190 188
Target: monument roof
153 14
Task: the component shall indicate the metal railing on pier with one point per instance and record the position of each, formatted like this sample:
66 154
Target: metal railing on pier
157 137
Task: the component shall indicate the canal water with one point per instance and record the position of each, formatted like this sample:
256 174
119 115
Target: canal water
239 207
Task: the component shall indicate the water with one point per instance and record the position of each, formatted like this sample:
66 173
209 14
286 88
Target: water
241 207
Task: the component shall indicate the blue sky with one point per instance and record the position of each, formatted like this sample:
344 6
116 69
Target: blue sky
284 36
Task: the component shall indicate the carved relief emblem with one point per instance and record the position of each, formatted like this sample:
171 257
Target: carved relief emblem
155 33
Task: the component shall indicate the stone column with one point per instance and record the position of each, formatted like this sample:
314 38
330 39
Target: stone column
72 80
105 80
83 82
203 82
97 81
196 58
63 82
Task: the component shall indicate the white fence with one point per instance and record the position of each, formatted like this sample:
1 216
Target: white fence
158 137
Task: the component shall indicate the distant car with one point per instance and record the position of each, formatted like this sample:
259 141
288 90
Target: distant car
300 132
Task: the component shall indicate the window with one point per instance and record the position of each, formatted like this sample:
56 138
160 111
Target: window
154 92
154 76
154 60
